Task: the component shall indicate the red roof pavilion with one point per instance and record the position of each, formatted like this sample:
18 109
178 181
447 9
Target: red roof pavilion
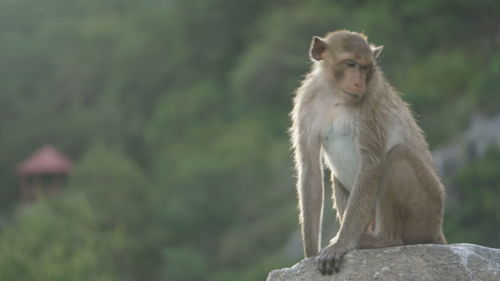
47 160
44 172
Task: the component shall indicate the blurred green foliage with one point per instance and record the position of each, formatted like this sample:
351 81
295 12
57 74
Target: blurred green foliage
476 217
61 239
176 113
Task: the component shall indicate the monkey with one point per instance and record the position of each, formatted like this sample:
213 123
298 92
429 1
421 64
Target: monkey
346 117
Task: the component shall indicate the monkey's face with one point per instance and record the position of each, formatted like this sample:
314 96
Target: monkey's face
349 60
352 74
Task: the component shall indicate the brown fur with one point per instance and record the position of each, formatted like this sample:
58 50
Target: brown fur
395 177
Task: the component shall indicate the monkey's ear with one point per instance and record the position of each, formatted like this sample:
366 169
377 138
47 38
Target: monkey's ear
376 50
318 47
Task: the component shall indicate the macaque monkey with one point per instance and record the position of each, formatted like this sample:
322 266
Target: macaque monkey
385 188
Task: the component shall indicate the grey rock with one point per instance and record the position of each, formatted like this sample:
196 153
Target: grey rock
455 262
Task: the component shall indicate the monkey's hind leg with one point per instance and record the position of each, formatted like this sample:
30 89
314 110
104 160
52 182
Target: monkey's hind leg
411 200
409 205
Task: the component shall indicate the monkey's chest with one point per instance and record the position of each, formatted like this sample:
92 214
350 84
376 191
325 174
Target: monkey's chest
340 149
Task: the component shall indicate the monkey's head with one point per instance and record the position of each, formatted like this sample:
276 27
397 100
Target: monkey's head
348 60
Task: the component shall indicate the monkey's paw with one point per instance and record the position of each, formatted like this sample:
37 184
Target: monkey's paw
330 258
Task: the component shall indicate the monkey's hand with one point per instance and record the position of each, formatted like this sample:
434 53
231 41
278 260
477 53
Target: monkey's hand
330 257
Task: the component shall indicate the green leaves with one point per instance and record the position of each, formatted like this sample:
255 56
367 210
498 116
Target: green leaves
474 216
59 239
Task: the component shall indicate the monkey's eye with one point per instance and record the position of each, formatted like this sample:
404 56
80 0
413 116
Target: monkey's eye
364 67
350 63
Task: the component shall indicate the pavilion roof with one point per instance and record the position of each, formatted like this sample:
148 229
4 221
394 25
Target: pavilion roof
46 160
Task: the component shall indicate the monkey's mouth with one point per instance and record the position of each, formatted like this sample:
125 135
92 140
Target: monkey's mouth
355 96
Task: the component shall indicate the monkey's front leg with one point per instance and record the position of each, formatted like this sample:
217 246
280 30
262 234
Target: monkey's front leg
358 215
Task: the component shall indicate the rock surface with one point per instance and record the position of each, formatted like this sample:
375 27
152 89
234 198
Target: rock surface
457 262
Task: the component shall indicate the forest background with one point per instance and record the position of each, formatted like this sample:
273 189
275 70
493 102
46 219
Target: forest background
176 115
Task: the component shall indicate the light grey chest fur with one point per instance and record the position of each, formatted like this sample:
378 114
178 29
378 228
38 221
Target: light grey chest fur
339 140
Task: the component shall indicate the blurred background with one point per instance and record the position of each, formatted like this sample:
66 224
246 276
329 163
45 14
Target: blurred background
147 140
